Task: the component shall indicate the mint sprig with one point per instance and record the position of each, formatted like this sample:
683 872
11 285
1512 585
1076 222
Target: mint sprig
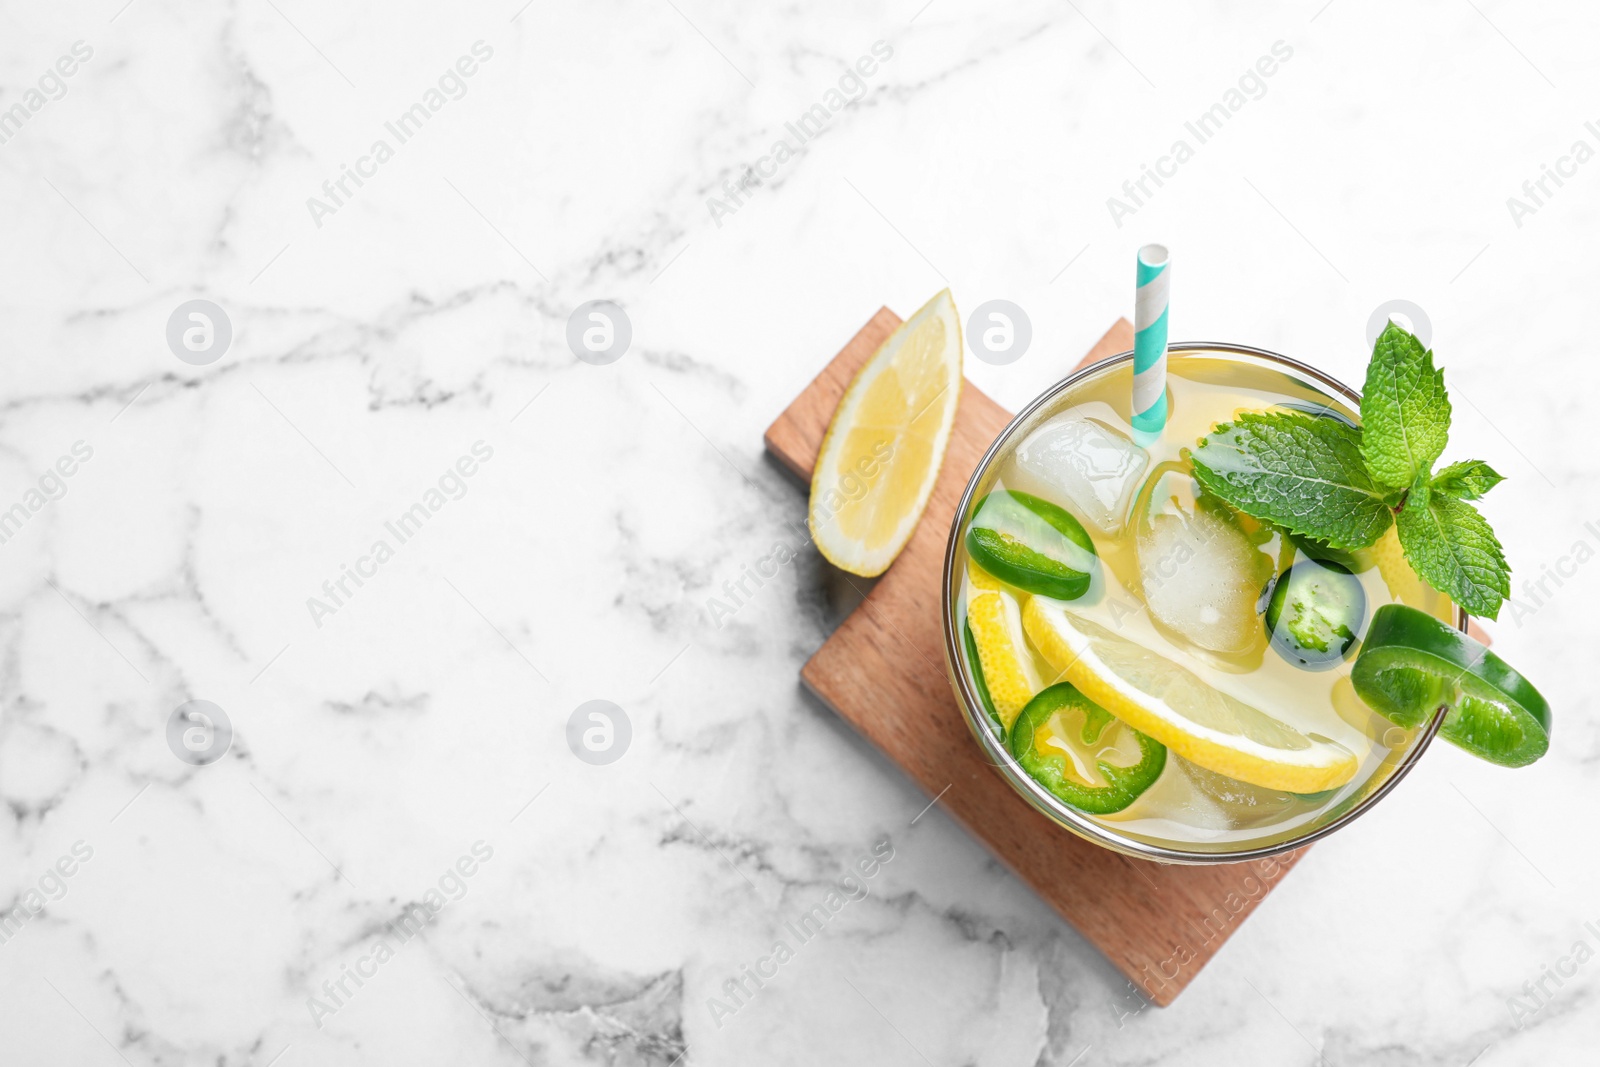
1405 412
1467 480
1302 473
1452 547
1321 478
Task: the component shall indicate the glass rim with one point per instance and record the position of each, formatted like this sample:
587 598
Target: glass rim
1000 757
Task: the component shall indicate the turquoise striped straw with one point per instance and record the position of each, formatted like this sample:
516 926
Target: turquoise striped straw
1150 342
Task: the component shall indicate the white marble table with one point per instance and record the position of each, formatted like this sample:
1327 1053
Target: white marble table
414 726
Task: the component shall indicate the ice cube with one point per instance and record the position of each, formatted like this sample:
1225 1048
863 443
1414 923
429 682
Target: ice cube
1244 805
1202 576
1179 806
1096 468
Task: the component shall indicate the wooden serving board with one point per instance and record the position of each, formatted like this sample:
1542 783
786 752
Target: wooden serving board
883 671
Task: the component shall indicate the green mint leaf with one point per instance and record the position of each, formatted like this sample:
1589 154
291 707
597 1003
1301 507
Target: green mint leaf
1301 472
1405 412
1421 490
1467 480
1452 548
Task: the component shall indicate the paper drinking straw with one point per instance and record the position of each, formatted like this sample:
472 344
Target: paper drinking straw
1150 341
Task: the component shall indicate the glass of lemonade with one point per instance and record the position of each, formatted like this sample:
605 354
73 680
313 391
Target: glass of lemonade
1152 587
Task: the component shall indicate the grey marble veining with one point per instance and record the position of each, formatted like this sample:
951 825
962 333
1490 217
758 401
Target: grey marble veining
416 725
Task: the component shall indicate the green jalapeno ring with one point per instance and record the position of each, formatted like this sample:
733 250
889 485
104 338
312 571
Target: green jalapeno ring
1412 664
976 666
1031 544
1316 612
1126 784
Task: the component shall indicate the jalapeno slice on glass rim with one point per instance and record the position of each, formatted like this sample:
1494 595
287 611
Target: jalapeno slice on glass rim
1411 664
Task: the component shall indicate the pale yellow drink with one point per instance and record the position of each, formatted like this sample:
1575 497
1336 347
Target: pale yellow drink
1158 596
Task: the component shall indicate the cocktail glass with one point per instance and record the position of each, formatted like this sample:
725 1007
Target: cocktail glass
1209 383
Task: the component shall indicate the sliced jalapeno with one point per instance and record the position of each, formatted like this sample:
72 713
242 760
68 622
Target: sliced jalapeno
976 666
1412 663
1062 733
1316 614
1032 544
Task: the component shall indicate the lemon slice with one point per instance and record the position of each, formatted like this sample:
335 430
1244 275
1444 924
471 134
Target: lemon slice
882 452
1396 570
996 622
1202 724
982 579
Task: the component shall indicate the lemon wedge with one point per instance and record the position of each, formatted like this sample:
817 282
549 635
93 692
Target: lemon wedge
1203 725
882 452
996 621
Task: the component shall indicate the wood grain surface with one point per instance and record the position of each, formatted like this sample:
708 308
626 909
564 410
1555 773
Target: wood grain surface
883 671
